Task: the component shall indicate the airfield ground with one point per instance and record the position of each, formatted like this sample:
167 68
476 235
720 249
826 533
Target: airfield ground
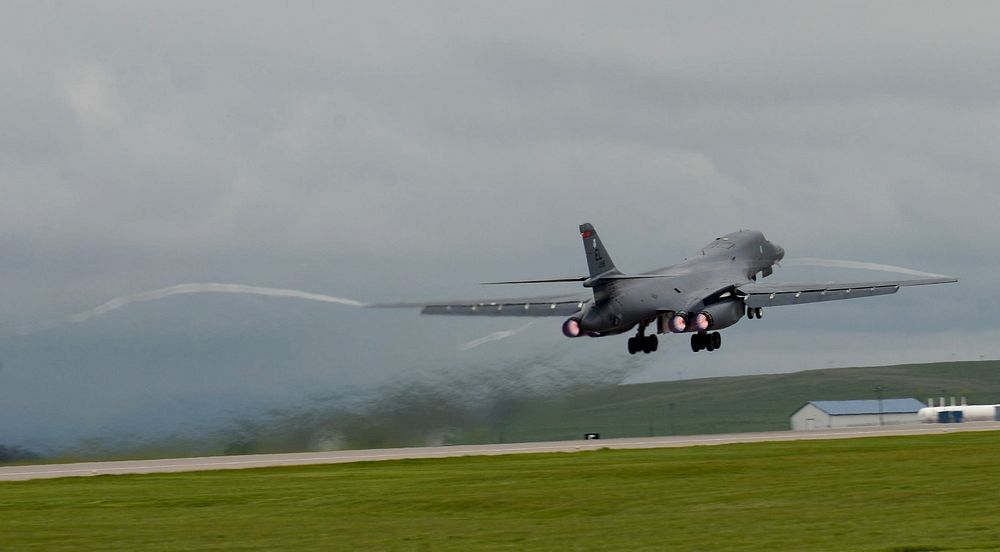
734 404
934 492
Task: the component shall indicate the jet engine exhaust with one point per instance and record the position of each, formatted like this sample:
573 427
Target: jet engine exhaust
571 327
678 324
703 321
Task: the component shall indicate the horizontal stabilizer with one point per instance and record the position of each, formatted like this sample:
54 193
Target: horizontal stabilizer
634 276
590 282
540 281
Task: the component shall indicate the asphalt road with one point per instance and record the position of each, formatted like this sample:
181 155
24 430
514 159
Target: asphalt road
47 471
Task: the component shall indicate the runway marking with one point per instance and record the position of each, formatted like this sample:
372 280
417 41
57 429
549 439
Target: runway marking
17 473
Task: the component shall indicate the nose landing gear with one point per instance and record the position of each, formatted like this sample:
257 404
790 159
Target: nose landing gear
755 312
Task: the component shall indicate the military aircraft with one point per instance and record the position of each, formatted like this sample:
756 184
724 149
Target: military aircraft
707 292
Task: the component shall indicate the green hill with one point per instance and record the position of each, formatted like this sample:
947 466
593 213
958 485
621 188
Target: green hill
734 404
424 415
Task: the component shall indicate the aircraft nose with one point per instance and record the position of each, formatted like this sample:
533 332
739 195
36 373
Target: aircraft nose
780 252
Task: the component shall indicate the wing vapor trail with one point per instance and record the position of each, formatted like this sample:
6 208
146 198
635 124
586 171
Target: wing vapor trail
837 263
495 336
181 289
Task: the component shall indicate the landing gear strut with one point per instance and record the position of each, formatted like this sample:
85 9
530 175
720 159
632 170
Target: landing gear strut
705 340
642 342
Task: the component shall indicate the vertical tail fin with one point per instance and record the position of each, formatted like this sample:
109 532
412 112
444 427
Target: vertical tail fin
598 260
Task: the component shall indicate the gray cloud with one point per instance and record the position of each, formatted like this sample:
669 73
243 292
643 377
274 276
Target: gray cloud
387 152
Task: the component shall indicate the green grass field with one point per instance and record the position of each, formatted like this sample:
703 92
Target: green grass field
937 492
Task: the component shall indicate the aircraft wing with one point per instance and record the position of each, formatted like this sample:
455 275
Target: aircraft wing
550 305
771 295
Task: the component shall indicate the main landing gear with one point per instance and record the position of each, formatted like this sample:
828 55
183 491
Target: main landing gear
642 342
705 340
755 312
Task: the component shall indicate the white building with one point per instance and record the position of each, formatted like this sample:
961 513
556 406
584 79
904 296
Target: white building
832 414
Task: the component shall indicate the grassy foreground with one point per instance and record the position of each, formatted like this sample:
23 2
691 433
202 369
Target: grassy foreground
883 494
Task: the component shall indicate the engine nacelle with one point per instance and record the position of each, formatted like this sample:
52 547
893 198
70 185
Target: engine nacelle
719 315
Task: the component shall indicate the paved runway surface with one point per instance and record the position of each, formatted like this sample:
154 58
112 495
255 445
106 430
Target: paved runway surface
46 471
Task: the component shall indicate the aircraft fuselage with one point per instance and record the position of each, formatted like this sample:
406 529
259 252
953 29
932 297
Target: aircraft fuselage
702 284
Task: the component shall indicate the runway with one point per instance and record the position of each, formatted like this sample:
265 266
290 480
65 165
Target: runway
49 471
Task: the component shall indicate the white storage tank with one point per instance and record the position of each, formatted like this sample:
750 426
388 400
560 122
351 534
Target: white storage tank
957 413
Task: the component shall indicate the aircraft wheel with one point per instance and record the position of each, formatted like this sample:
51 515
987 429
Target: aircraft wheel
631 346
716 340
695 343
709 343
750 313
649 344
759 312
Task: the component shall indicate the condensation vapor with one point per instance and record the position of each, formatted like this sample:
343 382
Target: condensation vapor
495 336
182 289
837 263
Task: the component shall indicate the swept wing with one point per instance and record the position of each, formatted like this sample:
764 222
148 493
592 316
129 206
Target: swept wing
548 305
772 295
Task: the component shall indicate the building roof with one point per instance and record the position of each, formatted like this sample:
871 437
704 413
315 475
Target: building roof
868 406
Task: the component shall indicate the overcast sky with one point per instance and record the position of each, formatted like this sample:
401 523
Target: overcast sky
386 151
